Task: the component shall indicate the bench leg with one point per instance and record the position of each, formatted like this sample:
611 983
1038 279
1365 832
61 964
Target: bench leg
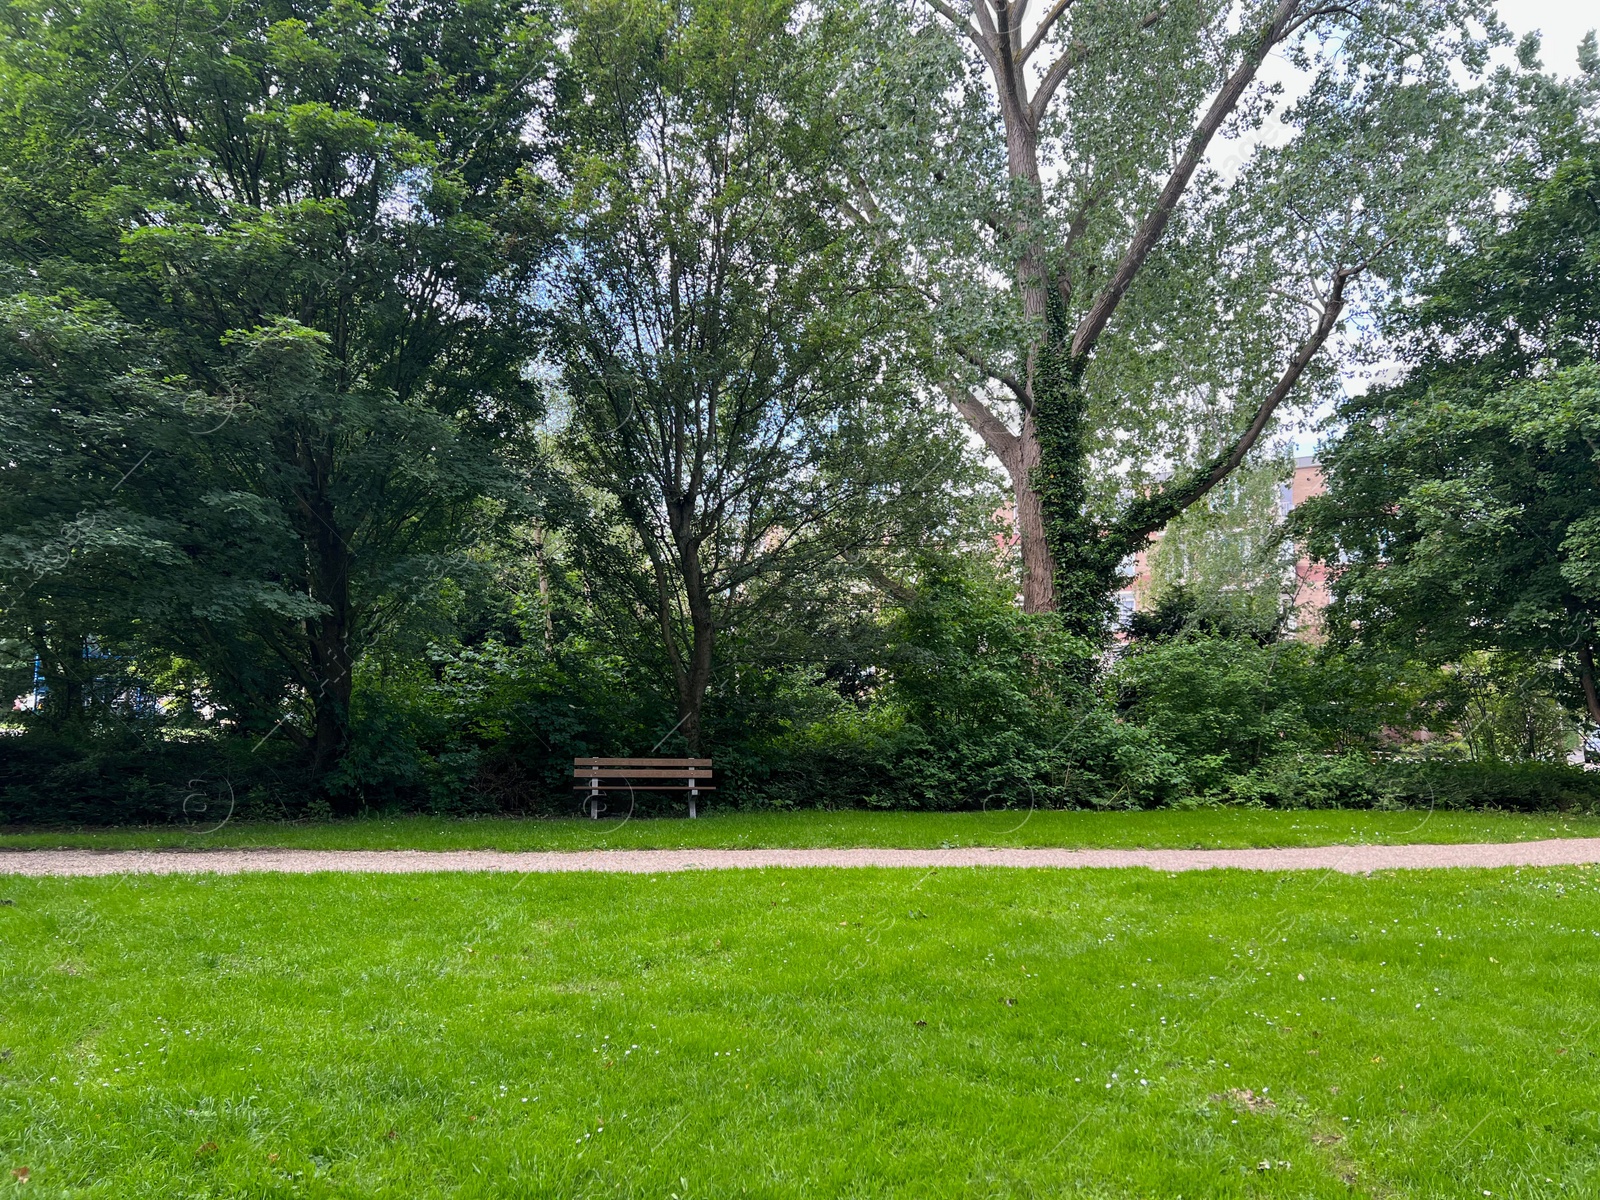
693 794
593 803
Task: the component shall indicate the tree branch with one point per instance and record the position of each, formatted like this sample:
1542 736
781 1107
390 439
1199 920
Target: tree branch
1311 14
854 214
1045 24
1005 37
864 198
1155 222
1070 58
1146 516
961 23
900 593
1016 385
984 423
982 19
1586 675
1075 230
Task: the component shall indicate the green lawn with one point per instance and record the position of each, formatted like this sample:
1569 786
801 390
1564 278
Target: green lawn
803 1033
1215 827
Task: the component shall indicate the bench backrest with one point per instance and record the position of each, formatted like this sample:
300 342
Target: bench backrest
642 768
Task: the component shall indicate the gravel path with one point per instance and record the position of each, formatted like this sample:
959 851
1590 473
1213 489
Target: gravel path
1352 860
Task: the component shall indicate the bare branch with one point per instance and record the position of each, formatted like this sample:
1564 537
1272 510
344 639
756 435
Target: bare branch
1155 222
1070 58
1046 23
1011 381
984 21
984 423
1311 14
1147 516
950 14
962 24
901 593
1019 13
864 197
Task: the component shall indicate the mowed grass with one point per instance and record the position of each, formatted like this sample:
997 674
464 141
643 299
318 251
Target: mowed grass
803 1033
1168 828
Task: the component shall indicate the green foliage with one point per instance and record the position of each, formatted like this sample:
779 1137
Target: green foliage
982 706
133 771
1503 708
1223 704
1513 787
962 657
1356 781
730 347
1226 559
1177 611
264 324
1461 504
285 514
1300 726
1120 294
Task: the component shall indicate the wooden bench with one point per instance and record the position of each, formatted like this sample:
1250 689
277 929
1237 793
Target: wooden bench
596 775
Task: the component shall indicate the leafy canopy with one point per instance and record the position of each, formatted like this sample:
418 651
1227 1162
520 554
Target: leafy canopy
1463 502
265 316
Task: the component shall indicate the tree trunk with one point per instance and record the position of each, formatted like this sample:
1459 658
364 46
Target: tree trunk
1020 454
330 703
693 672
543 567
328 638
1038 566
693 684
63 672
1591 697
1086 566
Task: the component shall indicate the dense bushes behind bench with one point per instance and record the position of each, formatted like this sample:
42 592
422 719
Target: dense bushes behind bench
974 706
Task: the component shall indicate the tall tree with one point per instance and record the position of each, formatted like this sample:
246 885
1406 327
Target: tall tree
1131 238
267 323
728 343
1463 504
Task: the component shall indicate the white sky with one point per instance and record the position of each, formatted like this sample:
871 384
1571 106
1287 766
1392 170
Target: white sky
1561 22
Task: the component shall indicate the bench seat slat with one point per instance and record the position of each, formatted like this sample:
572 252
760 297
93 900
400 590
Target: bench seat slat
640 773
643 787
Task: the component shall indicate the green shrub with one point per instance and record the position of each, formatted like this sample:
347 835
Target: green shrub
972 704
128 772
1356 780
983 706
1222 705
1516 787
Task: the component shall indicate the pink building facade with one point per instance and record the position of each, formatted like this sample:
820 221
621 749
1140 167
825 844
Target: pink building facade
1311 578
